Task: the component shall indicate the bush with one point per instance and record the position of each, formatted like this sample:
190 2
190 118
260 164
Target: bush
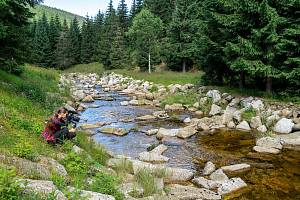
106 184
9 188
75 165
24 149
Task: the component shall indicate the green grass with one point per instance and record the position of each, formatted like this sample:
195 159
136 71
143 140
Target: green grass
164 77
184 98
248 114
86 68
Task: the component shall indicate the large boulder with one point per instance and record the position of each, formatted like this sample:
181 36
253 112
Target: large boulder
215 95
188 192
268 145
218 176
186 132
257 105
154 155
243 126
284 126
215 110
290 140
162 132
53 166
231 185
228 114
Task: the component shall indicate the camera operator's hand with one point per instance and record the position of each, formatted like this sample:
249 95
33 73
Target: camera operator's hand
72 130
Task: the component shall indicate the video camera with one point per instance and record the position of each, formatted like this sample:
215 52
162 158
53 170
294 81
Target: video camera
72 117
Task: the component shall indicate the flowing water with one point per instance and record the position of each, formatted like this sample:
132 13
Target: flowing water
270 177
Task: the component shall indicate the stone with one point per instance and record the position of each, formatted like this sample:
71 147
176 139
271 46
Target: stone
215 95
237 115
196 105
296 127
257 105
236 168
199 113
266 150
152 157
181 192
262 129
69 108
231 125
88 99
203 182
115 131
290 140
255 122
160 149
269 142
246 102
284 126
146 118
152 132
174 107
124 103
209 168
271 120
203 101
127 188
162 132
89 195
134 102
215 110
187 120
231 185
93 126
77 149
161 114
218 176
53 166
228 114
244 126
41 187
186 132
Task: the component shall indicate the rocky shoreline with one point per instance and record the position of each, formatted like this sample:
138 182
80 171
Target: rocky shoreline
226 111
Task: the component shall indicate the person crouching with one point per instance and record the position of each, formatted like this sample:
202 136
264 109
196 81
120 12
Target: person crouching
56 130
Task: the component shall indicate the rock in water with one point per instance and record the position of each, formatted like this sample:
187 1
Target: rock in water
186 132
146 118
88 99
284 126
209 168
152 132
244 126
268 145
218 176
115 131
235 168
162 132
203 182
231 185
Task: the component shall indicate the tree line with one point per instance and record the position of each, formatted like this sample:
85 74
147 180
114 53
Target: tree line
245 43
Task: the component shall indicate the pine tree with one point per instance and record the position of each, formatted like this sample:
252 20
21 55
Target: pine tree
41 43
122 13
63 56
138 6
74 36
110 9
54 33
118 56
132 11
163 9
87 42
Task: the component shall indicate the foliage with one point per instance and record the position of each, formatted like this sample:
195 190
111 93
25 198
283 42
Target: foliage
248 114
9 188
86 68
184 98
123 166
146 179
25 150
74 164
106 184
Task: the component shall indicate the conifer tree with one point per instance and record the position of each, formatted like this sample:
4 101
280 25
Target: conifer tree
118 55
63 56
74 36
54 33
138 6
122 13
87 42
132 11
163 9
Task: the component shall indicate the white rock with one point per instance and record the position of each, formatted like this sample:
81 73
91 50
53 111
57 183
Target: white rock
186 132
215 95
215 110
231 125
234 168
262 129
175 106
290 140
124 103
152 157
187 120
231 185
255 122
257 105
88 99
209 168
134 102
269 142
162 132
266 150
243 126
228 114
218 176
203 182
284 126
152 132
89 195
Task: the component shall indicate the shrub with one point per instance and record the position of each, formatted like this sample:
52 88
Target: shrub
9 188
24 149
106 184
74 164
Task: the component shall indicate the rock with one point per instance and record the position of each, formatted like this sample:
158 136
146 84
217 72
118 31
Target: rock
228 114
181 192
284 126
269 142
128 188
237 115
244 126
231 185
124 103
160 149
89 195
199 113
266 150
246 102
93 126
152 157
162 132
255 122
160 114
257 105
146 118
69 108
115 131
53 166
159 183
203 182
290 140
218 176
88 99
186 132
174 107
26 167
187 120
296 127
41 187
286 113
215 110
215 95
231 125
235 168
134 102
77 149
209 168
271 120
196 105
262 129
152 132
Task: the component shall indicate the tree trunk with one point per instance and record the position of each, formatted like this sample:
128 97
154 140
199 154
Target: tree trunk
242 80
149 66
184 66
269 85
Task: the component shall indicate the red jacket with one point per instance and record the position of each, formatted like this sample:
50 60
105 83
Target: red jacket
51 128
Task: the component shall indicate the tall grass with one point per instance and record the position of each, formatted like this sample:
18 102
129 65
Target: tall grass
86 68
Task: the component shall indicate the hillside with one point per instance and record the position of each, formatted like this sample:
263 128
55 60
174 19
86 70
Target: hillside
52 12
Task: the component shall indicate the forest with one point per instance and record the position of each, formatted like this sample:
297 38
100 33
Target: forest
237 43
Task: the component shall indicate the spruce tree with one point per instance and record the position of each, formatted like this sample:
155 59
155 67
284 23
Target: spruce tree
87 42
74 36
122 13
118 55
54 33
138 6
63 54
132 11
163 9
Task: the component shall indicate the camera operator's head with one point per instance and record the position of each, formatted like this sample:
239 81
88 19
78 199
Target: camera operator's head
61 113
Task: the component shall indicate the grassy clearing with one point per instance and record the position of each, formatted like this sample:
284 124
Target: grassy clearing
86 68
184 98
164 77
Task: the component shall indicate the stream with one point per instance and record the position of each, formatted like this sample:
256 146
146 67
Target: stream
270 177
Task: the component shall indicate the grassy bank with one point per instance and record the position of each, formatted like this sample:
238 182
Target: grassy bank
86 68
26 101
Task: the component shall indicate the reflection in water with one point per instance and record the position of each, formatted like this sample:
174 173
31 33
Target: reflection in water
271 176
